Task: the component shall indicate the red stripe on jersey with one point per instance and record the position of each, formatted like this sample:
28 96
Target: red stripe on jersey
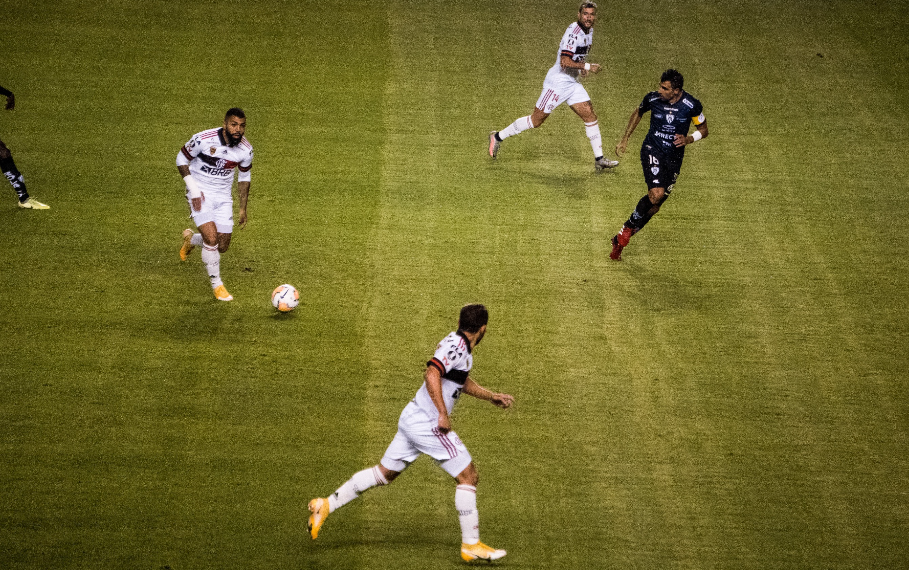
186 153
567 53
245 143
245 169
438 364
209 135
446 443
577 30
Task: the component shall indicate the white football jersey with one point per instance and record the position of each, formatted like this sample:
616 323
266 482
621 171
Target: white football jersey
575 44
454 360
212 162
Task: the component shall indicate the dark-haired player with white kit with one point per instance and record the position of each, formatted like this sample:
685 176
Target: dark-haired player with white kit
562 86
424 428
207 164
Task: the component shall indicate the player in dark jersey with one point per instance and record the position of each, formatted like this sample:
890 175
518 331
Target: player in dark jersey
9 167
672 111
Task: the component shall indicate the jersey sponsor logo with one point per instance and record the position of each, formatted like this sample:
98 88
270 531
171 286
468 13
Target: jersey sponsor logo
689 103
215 171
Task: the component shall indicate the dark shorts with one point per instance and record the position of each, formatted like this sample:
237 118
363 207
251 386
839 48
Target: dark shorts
660 170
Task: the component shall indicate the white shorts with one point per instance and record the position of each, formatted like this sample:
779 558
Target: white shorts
418 434
559 88
216 208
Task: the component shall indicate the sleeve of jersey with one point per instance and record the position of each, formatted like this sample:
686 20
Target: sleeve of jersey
188 152
437 364
245 168
568 45
700 118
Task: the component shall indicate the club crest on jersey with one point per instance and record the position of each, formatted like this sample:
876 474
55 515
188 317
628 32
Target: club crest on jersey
669 117
213 150
655 170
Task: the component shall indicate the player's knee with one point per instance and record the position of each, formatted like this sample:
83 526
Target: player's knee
469 476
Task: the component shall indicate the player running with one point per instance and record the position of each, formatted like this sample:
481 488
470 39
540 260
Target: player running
9 167
425 428
672 111
562 85
207 163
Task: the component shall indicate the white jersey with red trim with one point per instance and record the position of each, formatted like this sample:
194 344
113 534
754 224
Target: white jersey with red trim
212 161
453 360
575 44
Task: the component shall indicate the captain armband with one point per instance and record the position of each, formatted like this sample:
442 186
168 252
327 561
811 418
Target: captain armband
696 135
192 187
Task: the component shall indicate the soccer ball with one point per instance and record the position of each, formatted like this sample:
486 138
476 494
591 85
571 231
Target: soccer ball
285 298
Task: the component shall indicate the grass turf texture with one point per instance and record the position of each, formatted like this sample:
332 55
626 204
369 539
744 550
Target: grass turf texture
733 394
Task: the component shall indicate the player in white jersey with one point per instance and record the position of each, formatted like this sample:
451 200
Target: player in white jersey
562 85
424 428
207 164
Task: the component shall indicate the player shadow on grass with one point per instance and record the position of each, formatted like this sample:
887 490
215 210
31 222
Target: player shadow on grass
661 289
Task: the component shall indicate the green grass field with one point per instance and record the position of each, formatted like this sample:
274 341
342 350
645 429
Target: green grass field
732 395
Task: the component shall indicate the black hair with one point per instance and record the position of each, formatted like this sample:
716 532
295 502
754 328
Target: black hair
235 112
473 317
674 78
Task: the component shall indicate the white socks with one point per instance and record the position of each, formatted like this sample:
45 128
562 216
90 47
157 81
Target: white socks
211 257
465 500
516 127
466 503
361 481
596 141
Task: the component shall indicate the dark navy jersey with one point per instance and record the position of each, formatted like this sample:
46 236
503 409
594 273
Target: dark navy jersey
668 120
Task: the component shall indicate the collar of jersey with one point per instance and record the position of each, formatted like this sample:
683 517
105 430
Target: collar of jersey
466 340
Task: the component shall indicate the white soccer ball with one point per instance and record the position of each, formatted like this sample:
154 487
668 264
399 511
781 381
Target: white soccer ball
285 298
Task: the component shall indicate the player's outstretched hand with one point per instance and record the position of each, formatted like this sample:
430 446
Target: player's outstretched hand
620 147
444 424
241 219
595 67
10 102
197 203
503 401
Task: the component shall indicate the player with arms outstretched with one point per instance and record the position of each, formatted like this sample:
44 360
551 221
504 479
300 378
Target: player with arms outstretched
425 428
562 85
207 164
672 112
